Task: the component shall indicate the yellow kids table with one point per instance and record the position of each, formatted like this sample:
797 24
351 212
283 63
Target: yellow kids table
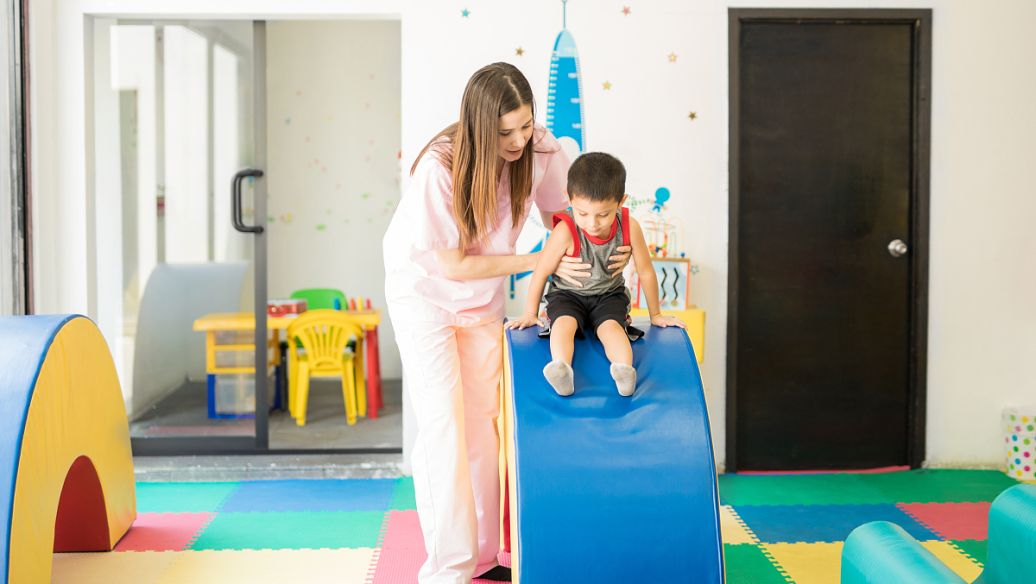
230 334
694 317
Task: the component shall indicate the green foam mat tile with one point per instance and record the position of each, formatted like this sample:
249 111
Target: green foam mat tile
811 489
942 485
917 486
746 564
291 530
182 497
976 549
403 495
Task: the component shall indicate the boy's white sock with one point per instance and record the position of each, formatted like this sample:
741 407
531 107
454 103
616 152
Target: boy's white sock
559 375
625 378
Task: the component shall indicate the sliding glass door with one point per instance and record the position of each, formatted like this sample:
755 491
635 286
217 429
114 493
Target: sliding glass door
178 124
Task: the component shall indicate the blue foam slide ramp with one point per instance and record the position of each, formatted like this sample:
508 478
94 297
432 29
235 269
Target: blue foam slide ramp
608 488
24 342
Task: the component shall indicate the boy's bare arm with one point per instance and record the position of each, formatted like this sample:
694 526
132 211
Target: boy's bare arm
648 281
557 244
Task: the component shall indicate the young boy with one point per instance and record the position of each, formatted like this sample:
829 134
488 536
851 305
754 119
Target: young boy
591 230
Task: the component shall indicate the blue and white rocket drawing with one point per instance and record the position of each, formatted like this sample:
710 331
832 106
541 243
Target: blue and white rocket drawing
565 91
564 118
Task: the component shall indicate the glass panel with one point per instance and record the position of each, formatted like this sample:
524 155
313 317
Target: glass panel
173 116
333 140
187 154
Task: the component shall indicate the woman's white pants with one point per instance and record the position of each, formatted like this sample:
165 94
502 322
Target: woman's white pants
452 377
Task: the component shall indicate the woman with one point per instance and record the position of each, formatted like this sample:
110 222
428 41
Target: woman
447 250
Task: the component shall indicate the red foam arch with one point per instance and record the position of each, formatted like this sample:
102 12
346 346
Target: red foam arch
82 522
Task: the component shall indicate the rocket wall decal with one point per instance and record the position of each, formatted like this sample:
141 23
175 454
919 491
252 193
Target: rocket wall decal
564 116
565 90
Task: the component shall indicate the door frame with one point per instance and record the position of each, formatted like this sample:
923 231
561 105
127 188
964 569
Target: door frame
14 107
921 20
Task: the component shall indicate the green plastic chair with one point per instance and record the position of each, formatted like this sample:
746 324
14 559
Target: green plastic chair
321 298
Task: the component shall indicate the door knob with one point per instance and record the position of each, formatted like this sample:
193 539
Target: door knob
897 248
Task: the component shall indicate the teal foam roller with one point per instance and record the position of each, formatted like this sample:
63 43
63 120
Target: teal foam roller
1012 537
881 552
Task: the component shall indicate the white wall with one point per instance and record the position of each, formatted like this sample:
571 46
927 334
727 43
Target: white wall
982 331
332 145
982 276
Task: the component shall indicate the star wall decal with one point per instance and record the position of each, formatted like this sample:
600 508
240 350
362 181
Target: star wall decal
672 57
465 13
607 85
693 115
519 51
626 11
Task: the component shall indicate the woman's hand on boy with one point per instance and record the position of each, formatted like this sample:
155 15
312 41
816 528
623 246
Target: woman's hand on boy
523 322
663 321
617 262
573 271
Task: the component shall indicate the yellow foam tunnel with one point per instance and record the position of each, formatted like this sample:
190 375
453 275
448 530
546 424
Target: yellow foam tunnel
64 445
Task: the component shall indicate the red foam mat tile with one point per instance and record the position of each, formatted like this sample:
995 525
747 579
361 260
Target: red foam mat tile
163 532
952 520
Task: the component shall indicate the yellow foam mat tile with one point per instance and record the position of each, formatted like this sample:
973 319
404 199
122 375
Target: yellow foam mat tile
273 566
211 566
733 528
954 559
808 563
110 567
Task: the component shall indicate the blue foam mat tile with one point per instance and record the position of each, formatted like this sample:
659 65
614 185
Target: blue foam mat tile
822 523
312 495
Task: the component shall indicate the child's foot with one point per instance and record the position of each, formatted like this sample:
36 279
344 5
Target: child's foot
559 375
625 378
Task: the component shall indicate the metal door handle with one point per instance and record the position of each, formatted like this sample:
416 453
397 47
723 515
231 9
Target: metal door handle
235 201
897 248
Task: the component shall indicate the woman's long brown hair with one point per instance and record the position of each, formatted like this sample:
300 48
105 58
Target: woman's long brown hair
492 91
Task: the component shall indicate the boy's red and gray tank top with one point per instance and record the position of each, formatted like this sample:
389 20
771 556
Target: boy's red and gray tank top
595 252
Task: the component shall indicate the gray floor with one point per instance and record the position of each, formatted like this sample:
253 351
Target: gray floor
185 413
325 421
252 467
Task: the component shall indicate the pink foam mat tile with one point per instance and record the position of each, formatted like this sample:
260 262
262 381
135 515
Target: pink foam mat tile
161 532
402 551
952 520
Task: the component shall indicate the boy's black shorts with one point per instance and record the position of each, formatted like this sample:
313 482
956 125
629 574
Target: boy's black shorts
590 312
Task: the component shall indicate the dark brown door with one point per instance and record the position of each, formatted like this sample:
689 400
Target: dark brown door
828 164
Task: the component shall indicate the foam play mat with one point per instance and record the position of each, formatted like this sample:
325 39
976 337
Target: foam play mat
776 528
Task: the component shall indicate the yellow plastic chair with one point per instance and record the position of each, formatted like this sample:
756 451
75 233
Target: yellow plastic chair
325 336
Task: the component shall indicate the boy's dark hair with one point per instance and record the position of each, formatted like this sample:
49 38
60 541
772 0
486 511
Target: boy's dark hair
597 176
